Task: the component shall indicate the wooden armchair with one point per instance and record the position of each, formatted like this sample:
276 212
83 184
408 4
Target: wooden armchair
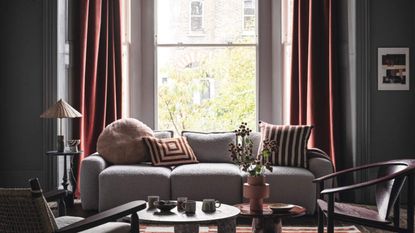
390 180
25 210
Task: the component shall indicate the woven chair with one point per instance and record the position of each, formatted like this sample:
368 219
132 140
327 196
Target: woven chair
25 210
389 183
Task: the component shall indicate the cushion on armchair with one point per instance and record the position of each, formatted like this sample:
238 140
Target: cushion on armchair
291 143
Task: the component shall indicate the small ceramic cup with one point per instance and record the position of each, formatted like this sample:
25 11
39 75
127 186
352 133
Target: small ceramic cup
180 201
189 206
210 205
151 200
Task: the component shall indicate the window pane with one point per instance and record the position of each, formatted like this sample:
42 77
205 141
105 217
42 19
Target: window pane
249 11
196 8
196 24
222 21
249 23
206 89
248 3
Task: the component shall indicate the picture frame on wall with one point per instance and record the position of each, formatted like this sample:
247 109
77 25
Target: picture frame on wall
393 69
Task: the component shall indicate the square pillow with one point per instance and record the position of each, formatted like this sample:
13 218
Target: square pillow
211 147
291 143
160 134
170 151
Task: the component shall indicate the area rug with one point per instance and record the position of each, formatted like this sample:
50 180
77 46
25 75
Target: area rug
246 229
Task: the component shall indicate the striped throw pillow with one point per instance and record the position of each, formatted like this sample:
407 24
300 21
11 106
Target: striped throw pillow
170 151
291 143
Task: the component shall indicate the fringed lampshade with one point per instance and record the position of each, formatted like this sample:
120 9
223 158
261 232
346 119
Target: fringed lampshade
61 110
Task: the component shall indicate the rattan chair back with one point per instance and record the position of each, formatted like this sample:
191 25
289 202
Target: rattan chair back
24 211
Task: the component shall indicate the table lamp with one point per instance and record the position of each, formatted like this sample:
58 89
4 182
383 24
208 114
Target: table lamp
61 110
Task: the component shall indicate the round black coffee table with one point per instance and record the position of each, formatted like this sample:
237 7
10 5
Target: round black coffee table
224 217
268 221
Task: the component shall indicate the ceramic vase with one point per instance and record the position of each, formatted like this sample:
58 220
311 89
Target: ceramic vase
256 190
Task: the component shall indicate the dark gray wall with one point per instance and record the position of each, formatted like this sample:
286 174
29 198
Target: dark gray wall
385 118
392 112
24 61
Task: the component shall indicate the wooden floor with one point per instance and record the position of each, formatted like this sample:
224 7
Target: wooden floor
77 210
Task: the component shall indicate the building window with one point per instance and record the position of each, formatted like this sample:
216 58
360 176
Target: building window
211 80
196 16
249 16
206 90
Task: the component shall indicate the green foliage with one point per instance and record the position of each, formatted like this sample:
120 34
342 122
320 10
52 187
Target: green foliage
233 73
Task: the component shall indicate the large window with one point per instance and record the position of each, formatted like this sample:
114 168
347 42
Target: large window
205 82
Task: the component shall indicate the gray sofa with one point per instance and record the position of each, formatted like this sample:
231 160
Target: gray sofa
104 186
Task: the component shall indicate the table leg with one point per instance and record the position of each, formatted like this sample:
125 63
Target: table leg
265 225
278 225
227 225
65 175
186 228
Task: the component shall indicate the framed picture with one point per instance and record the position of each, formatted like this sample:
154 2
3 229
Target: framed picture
393 69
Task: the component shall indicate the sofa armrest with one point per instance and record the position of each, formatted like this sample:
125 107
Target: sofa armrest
91 167
320 164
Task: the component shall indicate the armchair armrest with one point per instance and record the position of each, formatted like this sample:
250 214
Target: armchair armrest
58 196
104 217
364 184
55 195
349 170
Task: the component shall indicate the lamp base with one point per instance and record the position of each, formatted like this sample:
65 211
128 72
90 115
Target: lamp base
60 144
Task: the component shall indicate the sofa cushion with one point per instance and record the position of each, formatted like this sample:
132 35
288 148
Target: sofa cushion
291 143
255 137
170 151
221 181
121 141
211 147
120 184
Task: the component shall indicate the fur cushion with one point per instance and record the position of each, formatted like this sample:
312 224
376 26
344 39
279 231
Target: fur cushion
121 142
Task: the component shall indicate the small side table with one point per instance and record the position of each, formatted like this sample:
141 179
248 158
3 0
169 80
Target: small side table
65 182
268 221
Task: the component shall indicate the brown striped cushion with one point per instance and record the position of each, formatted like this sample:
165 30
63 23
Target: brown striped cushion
170 151
291 143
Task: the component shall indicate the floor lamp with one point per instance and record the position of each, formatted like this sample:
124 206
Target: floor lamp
61 110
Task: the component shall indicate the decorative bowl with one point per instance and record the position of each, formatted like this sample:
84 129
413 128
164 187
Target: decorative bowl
280 207
165 205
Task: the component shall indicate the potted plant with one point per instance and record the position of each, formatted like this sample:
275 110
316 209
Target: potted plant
242 155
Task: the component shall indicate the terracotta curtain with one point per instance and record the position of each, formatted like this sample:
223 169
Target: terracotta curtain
313 83
100 75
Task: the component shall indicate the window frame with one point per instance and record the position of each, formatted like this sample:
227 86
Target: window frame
143 80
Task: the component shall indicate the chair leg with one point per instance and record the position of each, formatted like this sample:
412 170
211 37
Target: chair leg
330 214
320 220
320 214
396 214
135 228
410 202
